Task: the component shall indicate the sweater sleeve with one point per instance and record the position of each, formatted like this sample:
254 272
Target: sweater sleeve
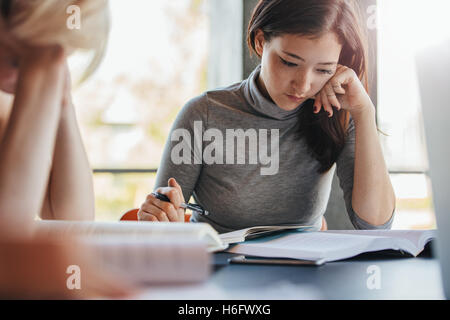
182 155
345 172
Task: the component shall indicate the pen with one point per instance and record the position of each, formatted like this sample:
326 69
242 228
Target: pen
193 207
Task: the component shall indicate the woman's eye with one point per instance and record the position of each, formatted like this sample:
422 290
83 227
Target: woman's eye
289 64
328 72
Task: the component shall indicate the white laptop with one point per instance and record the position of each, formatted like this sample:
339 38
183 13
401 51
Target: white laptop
433 67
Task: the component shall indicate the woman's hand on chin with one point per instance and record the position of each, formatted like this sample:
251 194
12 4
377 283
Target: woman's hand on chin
343 91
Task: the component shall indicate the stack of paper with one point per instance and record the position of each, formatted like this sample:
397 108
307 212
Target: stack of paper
334 245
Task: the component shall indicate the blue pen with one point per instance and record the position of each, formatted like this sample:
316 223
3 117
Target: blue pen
194 207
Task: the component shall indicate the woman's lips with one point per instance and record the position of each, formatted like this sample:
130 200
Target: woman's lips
294 98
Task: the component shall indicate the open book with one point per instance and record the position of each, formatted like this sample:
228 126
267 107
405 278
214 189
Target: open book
145 252
334 245
255 232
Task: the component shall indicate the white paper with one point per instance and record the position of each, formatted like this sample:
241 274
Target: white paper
333 245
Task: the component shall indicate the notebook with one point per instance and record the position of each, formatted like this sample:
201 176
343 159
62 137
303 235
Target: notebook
258 231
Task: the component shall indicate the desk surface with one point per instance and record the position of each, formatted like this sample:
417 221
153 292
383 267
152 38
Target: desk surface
400 278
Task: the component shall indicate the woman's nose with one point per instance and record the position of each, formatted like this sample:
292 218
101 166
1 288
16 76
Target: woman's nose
302 84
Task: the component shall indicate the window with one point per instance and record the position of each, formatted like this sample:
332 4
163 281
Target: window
404 27
155 62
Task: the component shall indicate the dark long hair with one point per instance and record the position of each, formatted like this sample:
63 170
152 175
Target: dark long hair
5 7
313 18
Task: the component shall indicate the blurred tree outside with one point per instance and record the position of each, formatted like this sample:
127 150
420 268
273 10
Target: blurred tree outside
155 62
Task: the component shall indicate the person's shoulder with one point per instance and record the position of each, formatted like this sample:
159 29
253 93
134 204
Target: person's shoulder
196 103
231 94
195 108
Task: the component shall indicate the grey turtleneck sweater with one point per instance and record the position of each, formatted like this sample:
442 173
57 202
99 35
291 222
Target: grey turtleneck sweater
237 191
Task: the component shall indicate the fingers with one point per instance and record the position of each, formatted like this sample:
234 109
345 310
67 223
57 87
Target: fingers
344 76
337 87
331 96
152 214
155 210
327 98
175 193
317 103
145 216
178 199
326 104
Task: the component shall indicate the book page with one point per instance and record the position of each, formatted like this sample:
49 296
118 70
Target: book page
306 245
417 237
333 245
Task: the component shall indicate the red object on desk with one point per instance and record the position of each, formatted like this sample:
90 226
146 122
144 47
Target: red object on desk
131 215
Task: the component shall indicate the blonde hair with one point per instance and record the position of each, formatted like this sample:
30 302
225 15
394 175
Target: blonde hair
44 22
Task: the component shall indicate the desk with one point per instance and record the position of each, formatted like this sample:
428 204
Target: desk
401 278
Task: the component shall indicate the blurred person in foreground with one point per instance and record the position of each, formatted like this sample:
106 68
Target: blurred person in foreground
44 168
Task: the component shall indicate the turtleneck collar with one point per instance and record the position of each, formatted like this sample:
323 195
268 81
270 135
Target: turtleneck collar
261 104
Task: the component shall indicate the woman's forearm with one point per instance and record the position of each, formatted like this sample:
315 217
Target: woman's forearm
26 149
373 197
71 194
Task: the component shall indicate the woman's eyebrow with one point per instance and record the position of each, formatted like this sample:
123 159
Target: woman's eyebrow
300 58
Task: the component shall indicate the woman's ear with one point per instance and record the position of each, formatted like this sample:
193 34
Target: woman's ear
259 42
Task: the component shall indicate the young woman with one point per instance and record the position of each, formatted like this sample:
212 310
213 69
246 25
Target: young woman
44 170
310 92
